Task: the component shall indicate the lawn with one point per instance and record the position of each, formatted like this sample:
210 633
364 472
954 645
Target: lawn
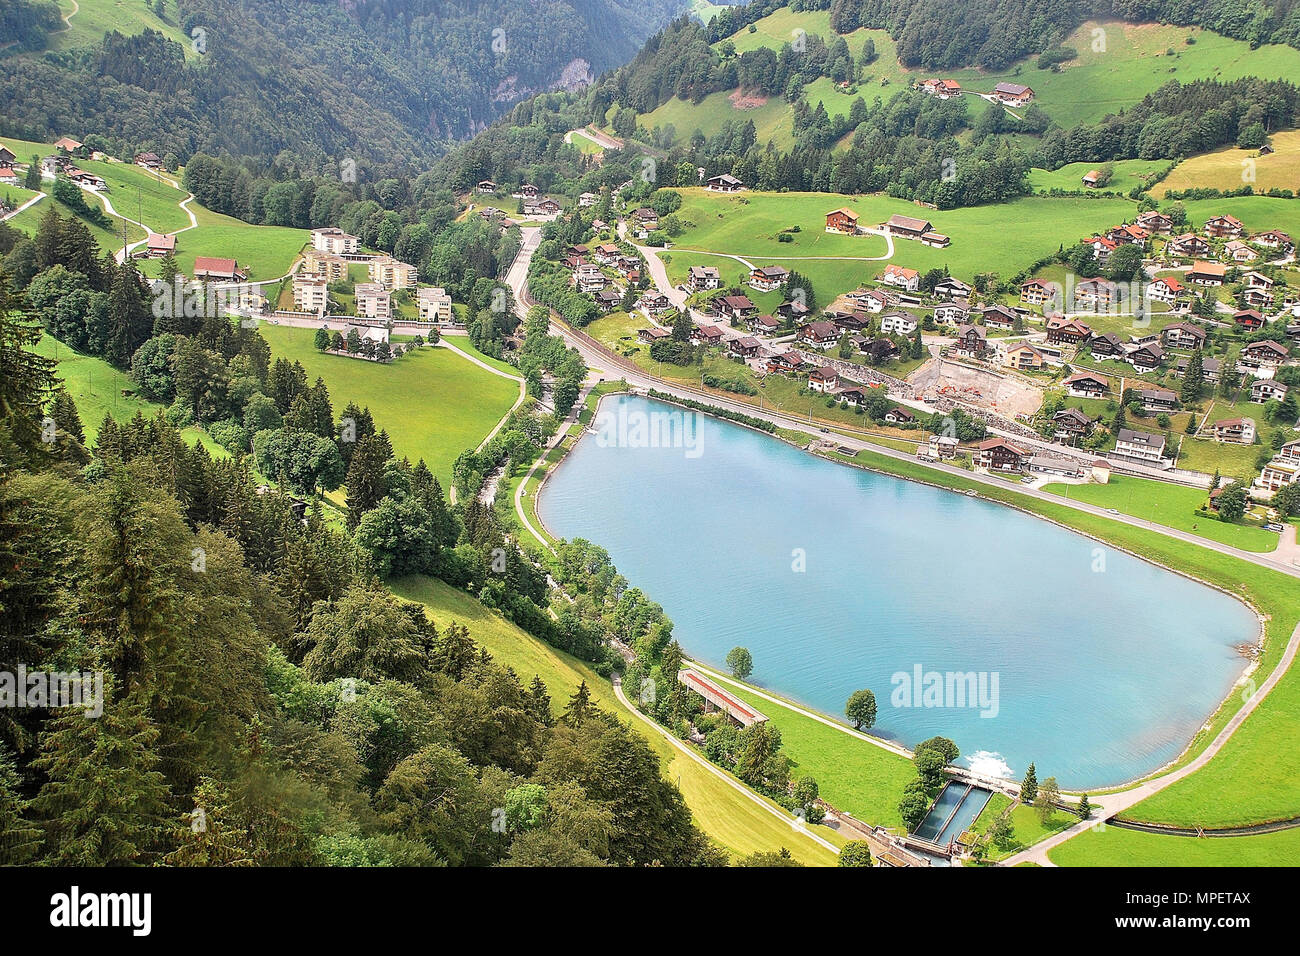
1128 173
747 224
773 121
109 241
853 775
1224 168
433 402
97 389
1027 829
585 144
1167 504
267 252
142 195
729 818
1114 846
94 18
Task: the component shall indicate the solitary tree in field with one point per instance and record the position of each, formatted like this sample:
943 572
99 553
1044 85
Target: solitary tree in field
741 662
322 339
861 709
1029 786
856 853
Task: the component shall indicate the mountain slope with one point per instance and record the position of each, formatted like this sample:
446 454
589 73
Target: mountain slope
327 79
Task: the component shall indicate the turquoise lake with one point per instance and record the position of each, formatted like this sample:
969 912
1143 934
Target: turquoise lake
1093 664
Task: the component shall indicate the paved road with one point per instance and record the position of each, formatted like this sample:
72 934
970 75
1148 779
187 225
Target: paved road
27 205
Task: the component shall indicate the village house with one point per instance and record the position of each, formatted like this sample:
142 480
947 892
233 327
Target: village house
901 277
334 240
1141 446
1235 431
608 299
844 221
588 278
1238 251
1155 222
1166 289
823 379
1146 357
854 396
587 199
943 446
1052 465
1087 385
906 227
784 363
1091 178
1102 248
1207 273
943 89
951 288
997 317
972 341
647 219
998 454
898 415
1155 400
792 311
67 144
1024 357
897 323
214 269
434 305
725 183
327 265
1276 475
652 335
629 268
1274 239
768 278
148 161
745 347
1187 246
1267 390
1128 235
159 247
654 303
1211 368
952 313
1289 452
1095 294
374 301
1071 424
703 278
1248 319
873 300
709 335
1183 335
936 240
8 176
1261 359
1038 291
88 180
1013 94
526 191
765 324
1258 292
1223 227
7 157
541 207
391 273
310 294
820 335
1072 332
1106 345
607 253
486 186
738 308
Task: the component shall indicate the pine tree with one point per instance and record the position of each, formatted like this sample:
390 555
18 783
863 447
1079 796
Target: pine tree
580 708
1085 808
1029 787
26 381
366 482
130 320
32 181
1193 379
19 839
104 801
322 339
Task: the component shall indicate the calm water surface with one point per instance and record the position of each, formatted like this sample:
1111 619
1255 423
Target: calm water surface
837 579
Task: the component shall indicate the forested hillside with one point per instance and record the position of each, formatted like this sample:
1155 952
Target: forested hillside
377 83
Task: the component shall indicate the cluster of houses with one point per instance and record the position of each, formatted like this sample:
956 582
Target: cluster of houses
588 267
1011 94
1282 470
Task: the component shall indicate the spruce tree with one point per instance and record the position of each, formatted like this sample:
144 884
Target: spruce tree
1029 787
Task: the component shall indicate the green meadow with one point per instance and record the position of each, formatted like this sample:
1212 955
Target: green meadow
1114 846
1232 168
94 18
433 402
772 119
142 195
1127 173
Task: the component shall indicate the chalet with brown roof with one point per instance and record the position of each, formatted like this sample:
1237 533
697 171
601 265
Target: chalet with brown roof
971 341
703 278
1224 227
1183 335
1157 400
1207 273
1155 222
1106 345
1074 332
213 269
907 227
1037 291
819 335
823 379
952 313
1235 431
1147 357
784 363
1091 178
745 347
900 277
738 307
725 183
843 220
651 335
1211 368
159 247
1087 385
1267 390
898 415
1187 246
706 335
1266 354
768 278
1013 94
1071 424
1248 319
997 316
998 454
1095 294
1273 239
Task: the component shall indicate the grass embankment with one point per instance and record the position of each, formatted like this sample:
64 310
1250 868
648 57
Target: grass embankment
1113 846
1167 504
1026 827
729 818
433 403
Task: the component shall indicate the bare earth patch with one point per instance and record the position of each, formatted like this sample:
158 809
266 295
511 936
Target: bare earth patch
741 100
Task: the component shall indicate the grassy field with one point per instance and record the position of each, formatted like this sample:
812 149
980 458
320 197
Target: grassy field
1027 828
267 252
773 121
1226 168
728 817
585 144
94 18
110 241
97 389
1113 846
748 224
1127 174
1167 504
142 195
433 402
